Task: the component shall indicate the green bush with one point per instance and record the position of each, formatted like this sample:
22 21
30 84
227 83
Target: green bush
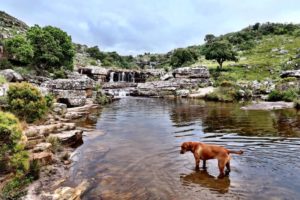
93 63
5 64
19 49
59 73
15 188
26 101
12 155
288 79
2 80
287 95
102 99
50 99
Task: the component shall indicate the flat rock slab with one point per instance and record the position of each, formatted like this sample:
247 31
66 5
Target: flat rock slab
71 138
44 146
202 92
43 158
269 106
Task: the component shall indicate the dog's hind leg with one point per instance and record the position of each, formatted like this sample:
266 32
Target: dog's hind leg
204 164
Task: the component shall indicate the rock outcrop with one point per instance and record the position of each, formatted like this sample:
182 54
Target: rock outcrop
176 83
68 193
167 88
96 73
11 76
191 72
72 92
290 73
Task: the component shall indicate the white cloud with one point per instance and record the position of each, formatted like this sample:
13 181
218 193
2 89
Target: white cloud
150 26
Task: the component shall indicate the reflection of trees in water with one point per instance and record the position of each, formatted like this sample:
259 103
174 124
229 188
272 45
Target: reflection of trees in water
288 123
228 117
204 179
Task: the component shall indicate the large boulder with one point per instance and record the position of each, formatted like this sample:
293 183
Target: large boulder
11 76
43 158
70 138
72 92
72 98
191 72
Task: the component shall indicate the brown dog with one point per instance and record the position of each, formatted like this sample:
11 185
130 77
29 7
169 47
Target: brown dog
205 152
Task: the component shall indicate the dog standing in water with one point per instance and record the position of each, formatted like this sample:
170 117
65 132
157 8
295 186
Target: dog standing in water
205 152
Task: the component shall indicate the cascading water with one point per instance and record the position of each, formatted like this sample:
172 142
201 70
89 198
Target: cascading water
111 78
123 76
119 76
133 80
118 93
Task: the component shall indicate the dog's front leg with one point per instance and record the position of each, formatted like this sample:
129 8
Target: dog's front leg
197 160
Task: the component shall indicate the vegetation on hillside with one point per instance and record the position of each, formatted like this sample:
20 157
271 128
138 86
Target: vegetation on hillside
26 102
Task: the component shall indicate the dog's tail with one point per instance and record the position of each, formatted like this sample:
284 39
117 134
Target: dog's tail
240 152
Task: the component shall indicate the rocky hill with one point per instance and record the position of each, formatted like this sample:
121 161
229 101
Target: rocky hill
10 25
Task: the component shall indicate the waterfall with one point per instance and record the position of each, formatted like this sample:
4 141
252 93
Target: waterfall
111 78
123 76
133 80
118 93
119 77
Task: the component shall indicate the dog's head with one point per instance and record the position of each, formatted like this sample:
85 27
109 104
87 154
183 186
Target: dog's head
186 146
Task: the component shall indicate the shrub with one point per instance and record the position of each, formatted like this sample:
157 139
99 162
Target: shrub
94 63
297 104
26 101
288 79
275 95
50 99
5 64
14 189
56 144
59 73
286 95
12 154
2 80
101 98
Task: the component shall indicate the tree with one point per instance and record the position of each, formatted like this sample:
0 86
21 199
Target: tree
182 57
95 52
52 47
209 38
220 51
19 49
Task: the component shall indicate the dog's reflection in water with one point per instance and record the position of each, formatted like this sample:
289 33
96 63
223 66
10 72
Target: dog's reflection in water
204 179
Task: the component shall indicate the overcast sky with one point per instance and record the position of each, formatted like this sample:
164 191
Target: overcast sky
138 26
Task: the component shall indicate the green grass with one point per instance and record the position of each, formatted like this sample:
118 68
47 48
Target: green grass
259 62
2 80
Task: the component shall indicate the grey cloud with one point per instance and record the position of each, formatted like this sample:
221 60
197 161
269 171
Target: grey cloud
139 26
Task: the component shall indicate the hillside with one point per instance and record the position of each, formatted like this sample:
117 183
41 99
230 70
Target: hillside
10 25
264 50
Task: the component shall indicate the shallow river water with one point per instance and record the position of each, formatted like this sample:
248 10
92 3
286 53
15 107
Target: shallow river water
138 157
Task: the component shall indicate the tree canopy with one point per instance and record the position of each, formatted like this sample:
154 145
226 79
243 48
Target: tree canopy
220 51
52 47
19 50
182 57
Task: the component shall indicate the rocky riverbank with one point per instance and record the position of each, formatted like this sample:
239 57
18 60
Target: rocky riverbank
68 126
